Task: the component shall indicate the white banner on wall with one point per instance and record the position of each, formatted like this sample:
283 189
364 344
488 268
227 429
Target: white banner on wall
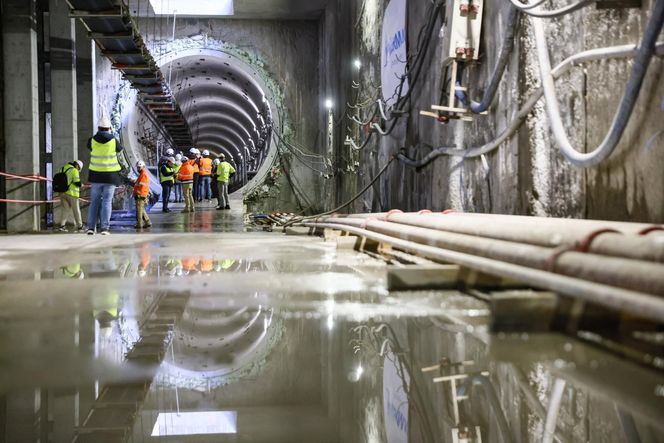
394 51
395 401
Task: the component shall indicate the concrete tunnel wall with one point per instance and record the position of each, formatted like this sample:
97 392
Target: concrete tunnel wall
526 175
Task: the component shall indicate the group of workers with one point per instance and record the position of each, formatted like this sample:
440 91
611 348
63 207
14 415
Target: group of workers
194 177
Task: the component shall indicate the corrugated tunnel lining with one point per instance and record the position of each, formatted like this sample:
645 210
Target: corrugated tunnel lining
225 107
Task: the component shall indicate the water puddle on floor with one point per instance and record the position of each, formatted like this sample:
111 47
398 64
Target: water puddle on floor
264 338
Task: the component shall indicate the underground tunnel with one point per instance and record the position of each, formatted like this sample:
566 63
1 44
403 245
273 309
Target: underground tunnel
444 221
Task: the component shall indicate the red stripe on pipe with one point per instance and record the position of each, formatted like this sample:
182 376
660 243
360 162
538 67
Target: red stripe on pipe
392 212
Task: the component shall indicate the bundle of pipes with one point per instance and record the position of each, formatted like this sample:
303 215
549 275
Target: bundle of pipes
619 265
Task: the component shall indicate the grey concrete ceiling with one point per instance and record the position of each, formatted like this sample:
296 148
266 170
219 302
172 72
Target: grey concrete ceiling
256 9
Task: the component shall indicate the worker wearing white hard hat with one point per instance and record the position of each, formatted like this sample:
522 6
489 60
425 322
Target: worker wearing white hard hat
177 187
167 174
205 182
67 182
141 195
170 152
104 176
215 182
224 172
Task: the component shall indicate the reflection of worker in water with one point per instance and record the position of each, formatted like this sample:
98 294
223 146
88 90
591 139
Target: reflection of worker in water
172 267
145 259
224 265
190 265
73 271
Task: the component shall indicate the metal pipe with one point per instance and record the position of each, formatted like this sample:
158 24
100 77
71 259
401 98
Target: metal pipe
637 275
546 232
641 305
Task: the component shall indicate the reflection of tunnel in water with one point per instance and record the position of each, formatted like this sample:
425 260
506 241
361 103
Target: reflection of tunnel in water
227 107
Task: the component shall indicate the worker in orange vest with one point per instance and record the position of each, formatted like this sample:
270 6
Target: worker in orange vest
205 181
186 178
141 193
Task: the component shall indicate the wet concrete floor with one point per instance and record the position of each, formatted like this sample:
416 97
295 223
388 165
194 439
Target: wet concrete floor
199 331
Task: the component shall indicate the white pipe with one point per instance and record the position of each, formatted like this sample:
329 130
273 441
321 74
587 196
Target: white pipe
621 51
640 304
621 118
554 407
524 7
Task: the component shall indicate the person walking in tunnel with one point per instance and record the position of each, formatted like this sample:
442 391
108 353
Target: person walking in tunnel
205 185
141 194
104 176
224 171
68 183
215 180
167 178
194 157
177 187
186 178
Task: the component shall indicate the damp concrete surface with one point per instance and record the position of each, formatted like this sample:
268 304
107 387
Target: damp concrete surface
205 330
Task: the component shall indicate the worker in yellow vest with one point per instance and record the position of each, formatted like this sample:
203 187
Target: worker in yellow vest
224 171
104 176
70 198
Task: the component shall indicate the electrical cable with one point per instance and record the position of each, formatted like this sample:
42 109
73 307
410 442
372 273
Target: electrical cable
555 13
512 28
622 51
624 112
525 7
349 202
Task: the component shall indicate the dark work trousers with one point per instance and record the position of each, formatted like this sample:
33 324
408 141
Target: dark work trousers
166 189
197 178
215 187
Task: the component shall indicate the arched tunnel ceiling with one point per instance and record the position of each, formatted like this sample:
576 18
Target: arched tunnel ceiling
224 106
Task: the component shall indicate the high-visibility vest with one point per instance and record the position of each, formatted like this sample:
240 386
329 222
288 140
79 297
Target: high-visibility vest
194 164
73 176
165 179
103 157
142 186
206 167
224 171
186 172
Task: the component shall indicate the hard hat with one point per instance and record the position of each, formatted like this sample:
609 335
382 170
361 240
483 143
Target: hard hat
192 151
170 159
206 152
216 161
222 155
178 157
79 163
140 164
169 152
104 123
142 273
